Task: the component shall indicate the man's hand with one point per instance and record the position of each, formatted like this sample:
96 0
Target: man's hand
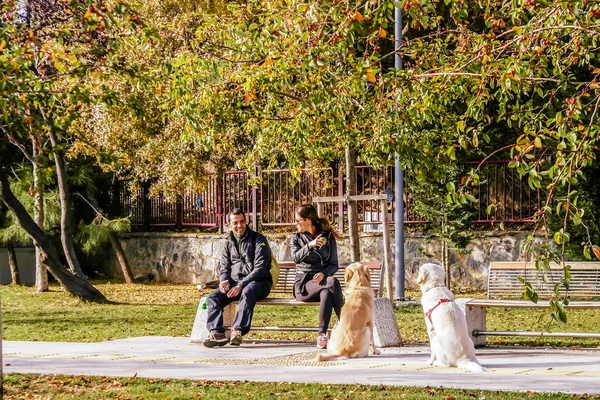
234 291
224 287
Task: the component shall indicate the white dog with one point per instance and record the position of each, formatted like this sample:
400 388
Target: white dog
352 336
451 345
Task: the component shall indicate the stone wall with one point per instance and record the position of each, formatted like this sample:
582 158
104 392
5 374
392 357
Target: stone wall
194 258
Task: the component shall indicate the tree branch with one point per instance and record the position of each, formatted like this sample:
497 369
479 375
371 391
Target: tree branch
19 145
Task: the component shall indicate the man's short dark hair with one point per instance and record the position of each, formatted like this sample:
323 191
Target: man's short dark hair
235 211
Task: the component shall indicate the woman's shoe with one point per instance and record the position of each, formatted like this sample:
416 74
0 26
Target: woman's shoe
322 341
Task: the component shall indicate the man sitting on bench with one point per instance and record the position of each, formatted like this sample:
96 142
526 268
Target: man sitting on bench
244 276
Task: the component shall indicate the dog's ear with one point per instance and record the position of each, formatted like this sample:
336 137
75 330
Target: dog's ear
348 273
423 276
366 273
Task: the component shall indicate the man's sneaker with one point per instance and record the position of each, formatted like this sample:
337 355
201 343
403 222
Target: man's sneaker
216 339
236 338
322 341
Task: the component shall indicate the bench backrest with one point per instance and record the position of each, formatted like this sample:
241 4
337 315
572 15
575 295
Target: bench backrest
287 276
503 281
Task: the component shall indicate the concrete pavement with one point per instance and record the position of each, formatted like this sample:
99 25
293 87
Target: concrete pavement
510 368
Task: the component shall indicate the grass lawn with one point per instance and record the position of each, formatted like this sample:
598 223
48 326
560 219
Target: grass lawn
88 388
159 309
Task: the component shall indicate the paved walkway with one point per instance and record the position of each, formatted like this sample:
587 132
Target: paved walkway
511 368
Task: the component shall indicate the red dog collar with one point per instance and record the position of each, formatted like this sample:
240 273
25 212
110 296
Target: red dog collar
442 301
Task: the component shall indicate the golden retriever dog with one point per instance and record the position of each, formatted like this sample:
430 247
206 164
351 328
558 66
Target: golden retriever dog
451 345
352 336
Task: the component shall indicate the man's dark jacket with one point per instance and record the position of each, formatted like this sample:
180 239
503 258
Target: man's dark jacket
252 262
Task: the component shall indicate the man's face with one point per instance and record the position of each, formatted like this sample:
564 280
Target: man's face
238 224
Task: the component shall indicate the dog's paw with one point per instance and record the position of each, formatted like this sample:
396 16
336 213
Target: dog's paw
430 361
374 352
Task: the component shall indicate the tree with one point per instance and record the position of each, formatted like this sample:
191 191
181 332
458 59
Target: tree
7 239
76 285
46 59
11 233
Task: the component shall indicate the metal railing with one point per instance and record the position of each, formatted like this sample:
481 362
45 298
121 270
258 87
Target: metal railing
274 200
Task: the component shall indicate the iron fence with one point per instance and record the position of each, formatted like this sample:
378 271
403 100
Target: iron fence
505 194
273 201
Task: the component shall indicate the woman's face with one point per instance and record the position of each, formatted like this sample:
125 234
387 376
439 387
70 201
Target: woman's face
303 224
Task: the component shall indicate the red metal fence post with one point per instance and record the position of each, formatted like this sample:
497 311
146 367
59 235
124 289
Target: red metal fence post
220 202
254 204
340 192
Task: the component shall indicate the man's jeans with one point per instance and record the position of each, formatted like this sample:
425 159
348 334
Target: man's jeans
247 299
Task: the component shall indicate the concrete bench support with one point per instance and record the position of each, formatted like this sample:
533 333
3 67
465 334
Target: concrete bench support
199 331
386 332
476 320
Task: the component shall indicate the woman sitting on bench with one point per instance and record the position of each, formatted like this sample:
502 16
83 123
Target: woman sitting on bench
314 250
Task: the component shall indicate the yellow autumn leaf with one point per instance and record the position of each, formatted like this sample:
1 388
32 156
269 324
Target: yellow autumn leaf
371 76
596 71
2 45
594 85
359 17
382 32
581 127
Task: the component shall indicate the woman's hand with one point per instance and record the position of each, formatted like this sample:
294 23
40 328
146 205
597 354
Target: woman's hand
319 276
318 242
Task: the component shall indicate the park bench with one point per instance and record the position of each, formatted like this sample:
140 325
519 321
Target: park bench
386 327
283 293
505 289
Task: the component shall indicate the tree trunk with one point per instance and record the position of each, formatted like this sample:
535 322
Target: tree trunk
66 229
12 263
76 285
114 242
41 274
116 245
352 208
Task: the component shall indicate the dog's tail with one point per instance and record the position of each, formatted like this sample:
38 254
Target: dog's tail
326 357
469 365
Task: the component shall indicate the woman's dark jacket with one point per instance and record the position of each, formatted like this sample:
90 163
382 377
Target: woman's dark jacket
246 261
311 261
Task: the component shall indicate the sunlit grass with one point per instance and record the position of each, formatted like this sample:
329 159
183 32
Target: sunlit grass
19 386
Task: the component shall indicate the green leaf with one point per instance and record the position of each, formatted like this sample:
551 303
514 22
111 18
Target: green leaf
557 237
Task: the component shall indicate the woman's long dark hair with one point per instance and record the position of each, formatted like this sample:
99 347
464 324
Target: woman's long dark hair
308 211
